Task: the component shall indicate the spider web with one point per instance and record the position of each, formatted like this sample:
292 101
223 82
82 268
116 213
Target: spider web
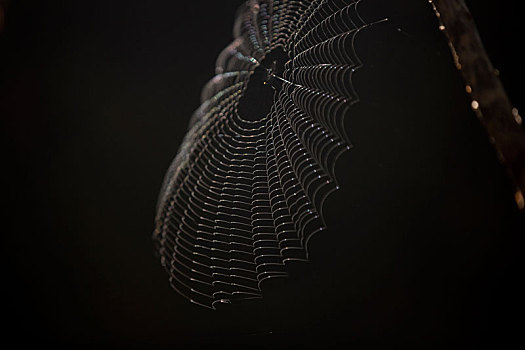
245 192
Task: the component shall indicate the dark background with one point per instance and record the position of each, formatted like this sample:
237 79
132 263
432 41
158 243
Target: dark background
95 97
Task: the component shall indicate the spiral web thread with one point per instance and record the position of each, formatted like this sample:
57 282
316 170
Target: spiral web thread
242 198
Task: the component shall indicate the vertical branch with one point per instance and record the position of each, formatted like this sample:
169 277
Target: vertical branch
489 99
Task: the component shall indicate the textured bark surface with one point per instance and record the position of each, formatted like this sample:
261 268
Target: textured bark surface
489 99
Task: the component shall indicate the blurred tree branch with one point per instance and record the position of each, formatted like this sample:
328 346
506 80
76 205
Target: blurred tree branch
490 102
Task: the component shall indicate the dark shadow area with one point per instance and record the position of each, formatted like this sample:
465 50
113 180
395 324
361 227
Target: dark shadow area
258 98
424 241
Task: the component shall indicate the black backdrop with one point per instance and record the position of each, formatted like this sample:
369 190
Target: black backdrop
94 100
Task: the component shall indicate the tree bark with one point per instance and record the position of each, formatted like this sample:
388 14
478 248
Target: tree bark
489 99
